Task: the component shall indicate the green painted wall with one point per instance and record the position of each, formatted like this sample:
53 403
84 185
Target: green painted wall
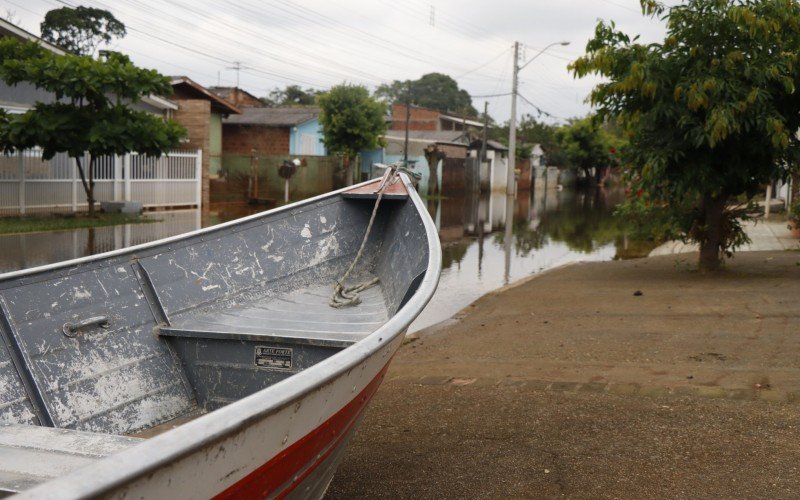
215 145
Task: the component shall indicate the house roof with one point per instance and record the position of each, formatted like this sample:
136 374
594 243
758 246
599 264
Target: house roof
14 31
217 103
455 137
461 119
227 92
490 144
273 117
443 115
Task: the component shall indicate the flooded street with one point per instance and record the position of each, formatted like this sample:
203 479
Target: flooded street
480 251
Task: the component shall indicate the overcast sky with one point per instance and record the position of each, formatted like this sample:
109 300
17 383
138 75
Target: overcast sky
321 43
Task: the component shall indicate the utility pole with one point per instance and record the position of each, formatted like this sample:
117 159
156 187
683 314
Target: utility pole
485 128
237 65
512 126
408 119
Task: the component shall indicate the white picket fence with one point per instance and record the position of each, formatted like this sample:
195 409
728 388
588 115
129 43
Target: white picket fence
30 184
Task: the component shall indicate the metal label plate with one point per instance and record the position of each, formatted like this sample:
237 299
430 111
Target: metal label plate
273 358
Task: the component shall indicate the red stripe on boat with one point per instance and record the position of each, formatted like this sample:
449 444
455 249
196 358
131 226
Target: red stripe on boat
288 465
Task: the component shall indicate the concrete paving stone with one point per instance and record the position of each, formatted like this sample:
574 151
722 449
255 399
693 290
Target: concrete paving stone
772 396
486 382
654 391
435 380
684 391
793 397
593 387
712 392
742 394
623 389
564 386
539 385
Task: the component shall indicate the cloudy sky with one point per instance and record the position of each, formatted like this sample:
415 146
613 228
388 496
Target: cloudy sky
321 43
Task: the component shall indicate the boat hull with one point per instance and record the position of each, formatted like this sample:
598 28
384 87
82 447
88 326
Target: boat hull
286 439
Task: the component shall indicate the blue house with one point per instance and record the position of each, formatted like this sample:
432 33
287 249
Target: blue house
305 138
294 131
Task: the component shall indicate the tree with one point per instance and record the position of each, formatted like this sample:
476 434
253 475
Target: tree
584 144
82 29
711 111
292 95
434 90
92 114
351 121
529 132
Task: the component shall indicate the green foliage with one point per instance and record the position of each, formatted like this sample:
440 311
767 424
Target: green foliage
710 112
92 114
794 211
583 145
292 95
351 120
433 90
529 132
81 30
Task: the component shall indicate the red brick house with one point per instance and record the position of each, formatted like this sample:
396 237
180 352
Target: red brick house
240 98
273 131
202 112
430 119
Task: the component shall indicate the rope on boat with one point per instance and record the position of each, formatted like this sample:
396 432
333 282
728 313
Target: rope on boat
349 296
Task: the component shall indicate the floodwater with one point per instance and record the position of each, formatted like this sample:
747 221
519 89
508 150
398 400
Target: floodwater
480 251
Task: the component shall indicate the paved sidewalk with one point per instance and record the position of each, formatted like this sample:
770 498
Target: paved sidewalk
623 379
765 235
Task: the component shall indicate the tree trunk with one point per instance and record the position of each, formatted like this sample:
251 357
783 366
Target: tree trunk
433 179
88 187
348 170
90 191
711 241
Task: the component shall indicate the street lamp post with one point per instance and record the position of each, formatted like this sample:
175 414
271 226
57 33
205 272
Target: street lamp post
512 126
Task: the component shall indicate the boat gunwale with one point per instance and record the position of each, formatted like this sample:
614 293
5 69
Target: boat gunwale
102 476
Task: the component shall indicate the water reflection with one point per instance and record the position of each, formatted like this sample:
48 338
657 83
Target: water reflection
548 228
19 251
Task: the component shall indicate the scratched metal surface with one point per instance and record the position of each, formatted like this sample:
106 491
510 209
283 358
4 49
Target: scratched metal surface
31 455
217 346
126 378
114 380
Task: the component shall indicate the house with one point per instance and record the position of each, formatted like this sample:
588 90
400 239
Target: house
240 98
453 143
420 118
494 171
287 131
202 112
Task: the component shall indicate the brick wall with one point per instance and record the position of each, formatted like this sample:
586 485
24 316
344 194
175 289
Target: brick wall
420 119
195 115
245 100
453 151
242 139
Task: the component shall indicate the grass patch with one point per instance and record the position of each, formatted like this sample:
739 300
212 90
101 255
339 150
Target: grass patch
64 222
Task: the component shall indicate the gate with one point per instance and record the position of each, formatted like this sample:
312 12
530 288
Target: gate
30 184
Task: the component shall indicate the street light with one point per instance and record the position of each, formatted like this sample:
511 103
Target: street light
512 128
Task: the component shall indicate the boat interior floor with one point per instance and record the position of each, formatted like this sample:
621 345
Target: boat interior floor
299 315
31 454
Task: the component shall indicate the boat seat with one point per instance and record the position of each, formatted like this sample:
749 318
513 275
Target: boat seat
31 454
256 342
298 317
